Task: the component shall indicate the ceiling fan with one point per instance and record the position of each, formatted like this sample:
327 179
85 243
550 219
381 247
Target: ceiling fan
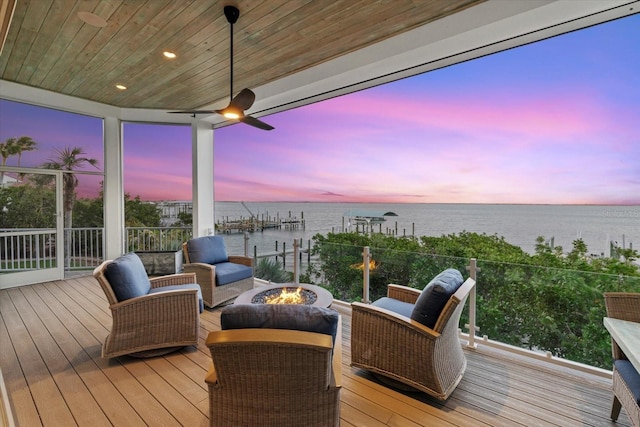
244 99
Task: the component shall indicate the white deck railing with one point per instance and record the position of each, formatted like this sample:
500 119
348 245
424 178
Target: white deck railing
22 249
156 239
33 249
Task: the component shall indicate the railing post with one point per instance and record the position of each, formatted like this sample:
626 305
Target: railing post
366 257
37 253
284 254
473 270
246 244
296 261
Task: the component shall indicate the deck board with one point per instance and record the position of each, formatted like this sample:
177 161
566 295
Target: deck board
51 336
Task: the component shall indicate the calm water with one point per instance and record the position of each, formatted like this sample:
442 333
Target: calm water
518 224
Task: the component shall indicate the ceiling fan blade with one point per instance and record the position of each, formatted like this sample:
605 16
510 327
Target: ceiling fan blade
244 100
252 121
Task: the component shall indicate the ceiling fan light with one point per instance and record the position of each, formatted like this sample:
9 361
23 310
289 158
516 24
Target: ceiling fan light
232 113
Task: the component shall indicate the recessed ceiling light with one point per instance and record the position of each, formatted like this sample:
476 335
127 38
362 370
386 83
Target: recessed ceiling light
121 87
168 54
92 19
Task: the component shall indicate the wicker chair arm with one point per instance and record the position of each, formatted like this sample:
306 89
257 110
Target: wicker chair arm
336 363
381 315
274 336
173 279
244 260
199 268
403 293
212 376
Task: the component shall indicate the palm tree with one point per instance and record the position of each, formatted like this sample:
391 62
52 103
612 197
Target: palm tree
25 143
7 149
68 159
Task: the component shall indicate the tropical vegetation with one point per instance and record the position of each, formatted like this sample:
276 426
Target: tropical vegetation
547 301
271 270
15 147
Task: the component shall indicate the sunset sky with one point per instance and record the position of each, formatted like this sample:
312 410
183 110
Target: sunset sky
554 122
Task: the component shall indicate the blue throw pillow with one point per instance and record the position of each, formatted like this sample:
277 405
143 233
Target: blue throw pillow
207 250
127 277
434 297
281 316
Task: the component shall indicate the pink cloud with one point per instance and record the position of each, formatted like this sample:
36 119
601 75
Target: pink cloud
556 116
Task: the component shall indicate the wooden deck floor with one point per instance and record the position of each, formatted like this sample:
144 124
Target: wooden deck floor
51 335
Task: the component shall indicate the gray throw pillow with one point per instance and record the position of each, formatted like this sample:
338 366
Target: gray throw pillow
281 316
434 297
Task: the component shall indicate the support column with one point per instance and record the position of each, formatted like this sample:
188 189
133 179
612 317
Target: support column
114 241
202 178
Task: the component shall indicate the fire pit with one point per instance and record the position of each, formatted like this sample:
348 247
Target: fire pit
285 296
287 293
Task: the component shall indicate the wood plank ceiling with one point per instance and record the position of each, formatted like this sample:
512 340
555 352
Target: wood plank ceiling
48 46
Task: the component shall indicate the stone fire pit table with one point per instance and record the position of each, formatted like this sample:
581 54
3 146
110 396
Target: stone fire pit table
315 295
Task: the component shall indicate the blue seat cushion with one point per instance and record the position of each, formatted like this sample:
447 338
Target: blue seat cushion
435 295
178 287
207 250
127 277
403 308
630 376
281 316
228 272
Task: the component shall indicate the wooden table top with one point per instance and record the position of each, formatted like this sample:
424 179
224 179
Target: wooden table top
627 335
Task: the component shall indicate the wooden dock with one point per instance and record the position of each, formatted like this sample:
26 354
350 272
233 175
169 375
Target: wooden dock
253 224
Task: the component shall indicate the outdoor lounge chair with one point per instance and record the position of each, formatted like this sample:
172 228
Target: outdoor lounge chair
150 316
275 365
221 277
410 338
626 379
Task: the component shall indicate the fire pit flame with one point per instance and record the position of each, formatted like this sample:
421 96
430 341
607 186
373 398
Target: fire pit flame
286 297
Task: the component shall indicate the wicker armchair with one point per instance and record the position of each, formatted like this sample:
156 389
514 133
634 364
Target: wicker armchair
275 377
150 316
222 277
405 352
626 380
